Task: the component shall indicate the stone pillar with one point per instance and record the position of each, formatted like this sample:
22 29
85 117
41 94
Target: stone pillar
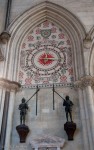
90 103
2 105
4 120
83 120
9 120
9 90
86 110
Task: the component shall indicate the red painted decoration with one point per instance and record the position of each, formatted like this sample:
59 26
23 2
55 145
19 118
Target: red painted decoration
44 59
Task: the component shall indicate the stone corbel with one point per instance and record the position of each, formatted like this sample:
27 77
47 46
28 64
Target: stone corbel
9 85
4 37
87 42
84 82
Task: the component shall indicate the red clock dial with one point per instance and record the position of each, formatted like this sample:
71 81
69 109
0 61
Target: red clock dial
45 61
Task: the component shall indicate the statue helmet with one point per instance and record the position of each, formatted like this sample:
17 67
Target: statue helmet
67 97
23 100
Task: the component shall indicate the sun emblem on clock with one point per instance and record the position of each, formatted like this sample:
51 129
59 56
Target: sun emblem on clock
46 59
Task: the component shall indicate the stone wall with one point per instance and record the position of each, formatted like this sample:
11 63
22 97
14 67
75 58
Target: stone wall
48 121
83 9
2 14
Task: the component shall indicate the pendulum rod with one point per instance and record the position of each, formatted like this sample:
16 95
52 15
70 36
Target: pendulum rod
36 99
53 98
59 95
31 97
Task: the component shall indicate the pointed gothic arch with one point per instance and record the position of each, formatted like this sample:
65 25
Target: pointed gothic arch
35 16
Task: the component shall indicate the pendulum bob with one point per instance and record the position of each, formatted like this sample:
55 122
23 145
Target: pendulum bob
23 131
70 128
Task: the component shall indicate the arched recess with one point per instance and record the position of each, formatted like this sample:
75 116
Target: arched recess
35 16
91 60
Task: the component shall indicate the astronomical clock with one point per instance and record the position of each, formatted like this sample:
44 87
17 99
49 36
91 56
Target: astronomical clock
46 57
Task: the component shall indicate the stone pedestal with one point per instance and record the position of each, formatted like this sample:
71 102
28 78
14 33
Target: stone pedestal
22 130
70 128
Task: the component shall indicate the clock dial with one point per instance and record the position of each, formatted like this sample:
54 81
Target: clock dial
45 61
46 56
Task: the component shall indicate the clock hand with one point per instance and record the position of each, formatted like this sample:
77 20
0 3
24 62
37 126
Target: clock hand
46 59
50 58
46 55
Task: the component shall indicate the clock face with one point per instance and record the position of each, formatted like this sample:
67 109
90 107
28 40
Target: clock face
45 57
45 60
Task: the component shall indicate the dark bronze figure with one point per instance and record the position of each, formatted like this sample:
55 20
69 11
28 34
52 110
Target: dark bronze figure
68 107
23 110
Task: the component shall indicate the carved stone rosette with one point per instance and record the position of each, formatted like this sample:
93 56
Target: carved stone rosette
84 82
9 85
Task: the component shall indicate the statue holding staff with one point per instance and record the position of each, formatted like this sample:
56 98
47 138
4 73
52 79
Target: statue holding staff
68 107
23 111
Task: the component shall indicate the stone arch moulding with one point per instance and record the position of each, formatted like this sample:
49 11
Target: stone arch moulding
91 60
25 23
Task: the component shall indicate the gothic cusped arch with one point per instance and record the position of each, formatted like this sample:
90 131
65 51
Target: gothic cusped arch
35 16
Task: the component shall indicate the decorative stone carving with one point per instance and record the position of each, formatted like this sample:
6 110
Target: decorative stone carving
84 81
9 85
4 37
46 141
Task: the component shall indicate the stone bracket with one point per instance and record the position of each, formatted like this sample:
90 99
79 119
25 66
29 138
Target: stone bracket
4 37
84 82
23 131
70 128
9 85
